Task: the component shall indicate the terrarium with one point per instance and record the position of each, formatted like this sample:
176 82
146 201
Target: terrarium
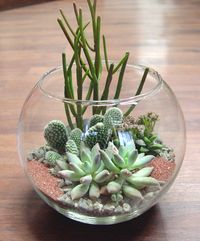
101 141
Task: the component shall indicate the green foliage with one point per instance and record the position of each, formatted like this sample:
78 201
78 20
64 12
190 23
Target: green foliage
85 173
76 136
56 135
51 157
96 119
129 168
97 134
72 147
113 115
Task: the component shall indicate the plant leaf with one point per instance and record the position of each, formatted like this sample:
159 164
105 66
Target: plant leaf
108 162
142 161
132 193
79 191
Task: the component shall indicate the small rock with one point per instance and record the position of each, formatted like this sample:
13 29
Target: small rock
126 207
118 209
109 208
97 206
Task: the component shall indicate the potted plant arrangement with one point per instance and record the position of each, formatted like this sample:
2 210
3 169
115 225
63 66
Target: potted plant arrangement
103 161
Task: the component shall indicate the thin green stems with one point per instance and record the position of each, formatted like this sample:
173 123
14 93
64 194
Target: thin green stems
105 53
139 90
121 75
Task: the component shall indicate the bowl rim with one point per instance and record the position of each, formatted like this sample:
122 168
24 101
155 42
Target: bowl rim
123 101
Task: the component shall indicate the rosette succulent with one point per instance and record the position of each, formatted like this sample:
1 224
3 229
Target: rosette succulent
86 173
129 169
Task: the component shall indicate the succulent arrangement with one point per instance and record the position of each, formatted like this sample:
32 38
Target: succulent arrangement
106 156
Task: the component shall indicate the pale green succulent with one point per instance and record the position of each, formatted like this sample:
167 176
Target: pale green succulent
76 136
72 147
55 134
86 173
129 168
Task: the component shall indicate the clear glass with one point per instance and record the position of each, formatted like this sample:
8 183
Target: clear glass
46 102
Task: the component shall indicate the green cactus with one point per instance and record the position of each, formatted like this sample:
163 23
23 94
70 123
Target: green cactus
86 173
97 134
129 168
56 135
72 147
113 115
76 136
96 119
51 157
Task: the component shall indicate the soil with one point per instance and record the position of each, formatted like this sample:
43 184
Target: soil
43 180
163 169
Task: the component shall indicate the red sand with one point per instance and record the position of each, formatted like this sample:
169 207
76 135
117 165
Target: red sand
163 169
43 180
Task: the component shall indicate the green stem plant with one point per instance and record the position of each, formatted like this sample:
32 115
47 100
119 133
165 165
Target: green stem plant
87 61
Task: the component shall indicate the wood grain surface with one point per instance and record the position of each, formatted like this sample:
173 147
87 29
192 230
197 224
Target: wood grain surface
162 34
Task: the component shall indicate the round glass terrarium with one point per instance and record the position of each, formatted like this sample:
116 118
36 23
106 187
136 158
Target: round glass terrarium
106 161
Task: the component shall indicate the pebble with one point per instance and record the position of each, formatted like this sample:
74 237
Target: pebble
126 207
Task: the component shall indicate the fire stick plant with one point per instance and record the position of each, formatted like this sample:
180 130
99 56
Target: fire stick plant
87 69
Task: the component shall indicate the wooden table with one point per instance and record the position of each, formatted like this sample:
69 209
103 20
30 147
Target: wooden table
162 34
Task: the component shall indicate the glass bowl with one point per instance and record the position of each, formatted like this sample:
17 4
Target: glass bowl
125 170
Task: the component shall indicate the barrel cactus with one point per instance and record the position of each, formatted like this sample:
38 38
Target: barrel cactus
129 168
55 134
86 173
51 157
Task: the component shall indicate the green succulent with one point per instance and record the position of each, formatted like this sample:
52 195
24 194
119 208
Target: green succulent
72 147
96 119
86 173
97 134
55 134
113 116
76 136
51 157
102 127
129 168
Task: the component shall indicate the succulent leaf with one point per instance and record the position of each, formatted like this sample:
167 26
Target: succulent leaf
72 158
142 161
86 179
102 176
108 162
113 187
61 164
144 172
132 193
69 175
141 182
79 191
94 191
73 166
118 160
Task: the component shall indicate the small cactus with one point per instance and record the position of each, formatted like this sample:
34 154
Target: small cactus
76 135
96 119
72 147
97 134
51 157
56 135
115 114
